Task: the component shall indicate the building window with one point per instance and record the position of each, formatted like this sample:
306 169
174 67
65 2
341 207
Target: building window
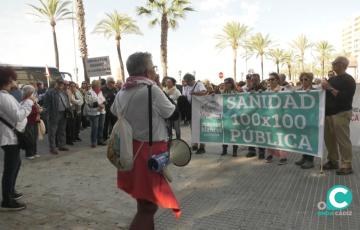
356 44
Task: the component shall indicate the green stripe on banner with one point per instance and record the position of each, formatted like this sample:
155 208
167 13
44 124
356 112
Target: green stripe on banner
291 121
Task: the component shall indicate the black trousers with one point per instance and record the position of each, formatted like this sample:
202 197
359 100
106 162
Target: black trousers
110 121
308 157
84 121
253 150
32 133
12 164
77 117
70 128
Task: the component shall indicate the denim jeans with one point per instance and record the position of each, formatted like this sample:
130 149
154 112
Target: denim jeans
97 128
12 164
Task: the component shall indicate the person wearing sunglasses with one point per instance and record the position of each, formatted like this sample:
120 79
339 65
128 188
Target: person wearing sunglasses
274 86
340 91
306 79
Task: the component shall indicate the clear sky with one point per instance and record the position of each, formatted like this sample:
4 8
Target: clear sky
191 47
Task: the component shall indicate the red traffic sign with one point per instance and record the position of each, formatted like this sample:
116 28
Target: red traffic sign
221 75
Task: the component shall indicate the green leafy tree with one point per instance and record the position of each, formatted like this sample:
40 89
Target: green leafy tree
259 45
52 11
301 44
232 35
116 25
324 50
166 13
278 56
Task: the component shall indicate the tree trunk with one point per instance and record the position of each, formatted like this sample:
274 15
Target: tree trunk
122 75
302 62
235 57
323 67
277 67
262 67
86 77
289 69
55 48
163 44
80 16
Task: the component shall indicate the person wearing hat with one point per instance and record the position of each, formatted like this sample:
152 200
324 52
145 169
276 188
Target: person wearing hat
109 92
56 102
229 88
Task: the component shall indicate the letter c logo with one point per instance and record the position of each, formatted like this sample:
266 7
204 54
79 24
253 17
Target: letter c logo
339 197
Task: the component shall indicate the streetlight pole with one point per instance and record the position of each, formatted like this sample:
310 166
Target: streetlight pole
180 72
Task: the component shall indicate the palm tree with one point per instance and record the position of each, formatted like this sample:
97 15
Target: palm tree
116 24
232 36
258 45
167 13
80 16
52 11
324 49
288 59
301 44
278 55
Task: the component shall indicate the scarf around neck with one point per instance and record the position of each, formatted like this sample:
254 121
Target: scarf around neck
133 81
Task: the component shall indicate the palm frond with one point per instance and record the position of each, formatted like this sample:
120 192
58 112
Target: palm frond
154 22
116 24
52 10
232 35
173 9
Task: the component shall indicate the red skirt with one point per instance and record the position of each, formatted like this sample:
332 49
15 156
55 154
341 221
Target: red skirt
142 183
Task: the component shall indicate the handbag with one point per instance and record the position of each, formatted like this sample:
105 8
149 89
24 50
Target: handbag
23 141
41 129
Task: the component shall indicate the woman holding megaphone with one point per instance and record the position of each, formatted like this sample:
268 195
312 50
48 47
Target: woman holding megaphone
140 95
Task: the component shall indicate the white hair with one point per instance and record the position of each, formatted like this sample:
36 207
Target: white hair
28 90
138 63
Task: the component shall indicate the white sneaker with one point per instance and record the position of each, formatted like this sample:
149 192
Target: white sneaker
30 158
37 155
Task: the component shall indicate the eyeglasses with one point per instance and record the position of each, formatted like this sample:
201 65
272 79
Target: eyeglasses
271 79
304 79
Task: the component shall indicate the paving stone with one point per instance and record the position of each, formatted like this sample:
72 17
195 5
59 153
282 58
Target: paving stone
77 190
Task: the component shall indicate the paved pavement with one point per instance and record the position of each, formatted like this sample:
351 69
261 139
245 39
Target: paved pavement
77 190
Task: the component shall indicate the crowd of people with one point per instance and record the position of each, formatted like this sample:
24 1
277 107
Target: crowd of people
67 108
